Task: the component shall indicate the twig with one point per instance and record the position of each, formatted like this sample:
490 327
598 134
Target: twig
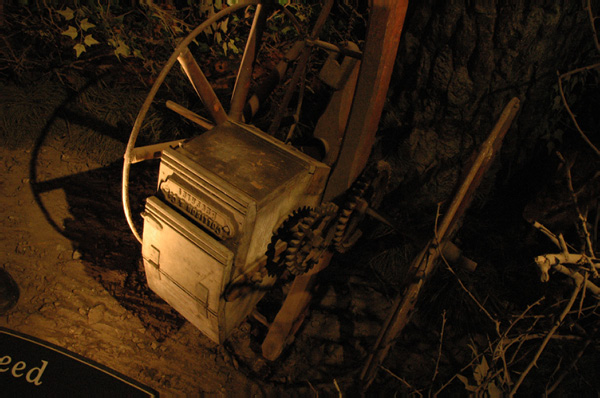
547 232
500 350
568 108
554 372
577 277
312 388
400 379
437 362
585 281
337 387
547 339
582 219
460 282
593 24
462 285
596 221
468 365
537 336
568 368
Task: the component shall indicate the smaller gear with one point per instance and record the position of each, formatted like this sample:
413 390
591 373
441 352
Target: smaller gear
310 237
275 261
367 191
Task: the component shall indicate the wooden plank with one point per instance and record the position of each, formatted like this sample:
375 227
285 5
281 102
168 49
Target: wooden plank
385 26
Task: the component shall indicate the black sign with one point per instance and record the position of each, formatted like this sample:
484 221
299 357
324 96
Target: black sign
30 367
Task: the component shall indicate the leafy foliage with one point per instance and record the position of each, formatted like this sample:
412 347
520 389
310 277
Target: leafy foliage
94 36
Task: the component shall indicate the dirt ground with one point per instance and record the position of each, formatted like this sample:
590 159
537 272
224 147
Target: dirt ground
65 241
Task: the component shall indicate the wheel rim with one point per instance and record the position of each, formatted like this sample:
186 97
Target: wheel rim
204 89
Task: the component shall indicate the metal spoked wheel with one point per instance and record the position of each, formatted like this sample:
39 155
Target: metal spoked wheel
239 105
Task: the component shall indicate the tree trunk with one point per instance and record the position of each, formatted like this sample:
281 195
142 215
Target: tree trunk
458 65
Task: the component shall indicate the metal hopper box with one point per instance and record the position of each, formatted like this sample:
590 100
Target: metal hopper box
220 197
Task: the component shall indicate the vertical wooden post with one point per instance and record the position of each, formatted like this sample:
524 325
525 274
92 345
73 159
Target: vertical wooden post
383 35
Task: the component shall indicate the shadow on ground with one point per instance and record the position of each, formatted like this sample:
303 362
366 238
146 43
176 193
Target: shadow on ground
98 229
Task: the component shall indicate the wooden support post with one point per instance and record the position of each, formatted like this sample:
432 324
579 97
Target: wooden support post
385 26
290 315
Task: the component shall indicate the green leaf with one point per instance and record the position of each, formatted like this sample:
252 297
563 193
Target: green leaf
90 41
481 371
465 381
224 25
79 48
122 49
85 24
203 47
233 47
494 391
71 32
67 14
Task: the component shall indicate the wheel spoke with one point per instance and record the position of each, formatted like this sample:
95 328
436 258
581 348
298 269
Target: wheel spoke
202 86
186 113
242 82
151 151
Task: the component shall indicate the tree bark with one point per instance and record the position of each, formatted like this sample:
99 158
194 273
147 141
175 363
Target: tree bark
458 64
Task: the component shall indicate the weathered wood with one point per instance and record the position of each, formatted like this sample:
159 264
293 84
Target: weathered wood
192 116
202 86
385 26
290 315
153 151
423 265
244 76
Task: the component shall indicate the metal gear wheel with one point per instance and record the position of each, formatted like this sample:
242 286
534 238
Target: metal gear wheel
311 236
275 262
367 191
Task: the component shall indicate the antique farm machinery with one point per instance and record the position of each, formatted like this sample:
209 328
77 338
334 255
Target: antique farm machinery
237 208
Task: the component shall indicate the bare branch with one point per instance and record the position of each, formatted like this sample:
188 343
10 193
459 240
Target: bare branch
585 235
568 368
568 108
547 339
400 379
437 362
593 23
